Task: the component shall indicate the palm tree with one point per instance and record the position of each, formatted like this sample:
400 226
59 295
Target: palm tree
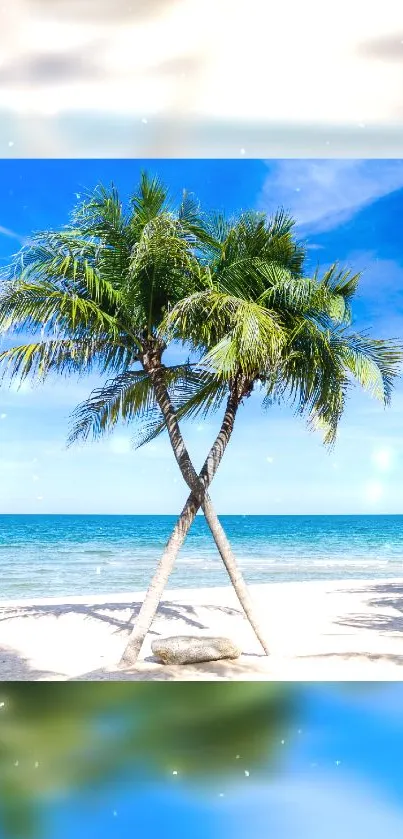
314 364
254 278
102 287
97 292
275 244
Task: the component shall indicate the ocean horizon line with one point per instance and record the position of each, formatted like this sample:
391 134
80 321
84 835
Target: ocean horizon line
200 515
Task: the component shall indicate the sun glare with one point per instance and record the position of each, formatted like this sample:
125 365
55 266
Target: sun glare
374 491
383 459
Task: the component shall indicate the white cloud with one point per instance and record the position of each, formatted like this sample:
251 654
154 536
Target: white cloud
329 191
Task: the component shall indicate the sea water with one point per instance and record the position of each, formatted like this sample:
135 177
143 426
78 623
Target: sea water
52 555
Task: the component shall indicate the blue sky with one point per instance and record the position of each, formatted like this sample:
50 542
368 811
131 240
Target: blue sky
347 210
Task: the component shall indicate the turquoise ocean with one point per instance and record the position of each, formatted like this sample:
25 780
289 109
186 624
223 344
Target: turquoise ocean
53 555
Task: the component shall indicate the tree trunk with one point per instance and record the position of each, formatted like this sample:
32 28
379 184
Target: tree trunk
233 570
156 588
151 601
198 498
199 484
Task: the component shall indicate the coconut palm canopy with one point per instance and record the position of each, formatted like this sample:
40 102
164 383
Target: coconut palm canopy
259 317
94 292
235 291
255 278
98 292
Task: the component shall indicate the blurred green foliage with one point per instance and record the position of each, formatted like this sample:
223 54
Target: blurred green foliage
58 738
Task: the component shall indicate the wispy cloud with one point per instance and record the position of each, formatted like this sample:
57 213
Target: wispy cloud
380 293
5 231
321 194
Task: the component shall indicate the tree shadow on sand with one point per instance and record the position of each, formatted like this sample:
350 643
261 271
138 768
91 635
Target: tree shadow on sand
112 614
379 622
223 670
108 613
15 668
104 613
385 658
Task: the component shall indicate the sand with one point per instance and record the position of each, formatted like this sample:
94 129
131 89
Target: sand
317 631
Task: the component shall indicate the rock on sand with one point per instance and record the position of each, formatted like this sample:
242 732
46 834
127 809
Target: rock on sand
191 649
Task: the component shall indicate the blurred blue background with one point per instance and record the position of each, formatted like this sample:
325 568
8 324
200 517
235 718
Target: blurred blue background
237 760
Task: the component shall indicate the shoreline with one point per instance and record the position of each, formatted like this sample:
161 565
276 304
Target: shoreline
186 593
317 631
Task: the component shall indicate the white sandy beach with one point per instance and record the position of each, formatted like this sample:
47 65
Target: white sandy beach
317 631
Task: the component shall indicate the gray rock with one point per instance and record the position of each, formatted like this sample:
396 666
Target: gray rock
190 649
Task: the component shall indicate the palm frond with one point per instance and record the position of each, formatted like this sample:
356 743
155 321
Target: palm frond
100 216
207 397
191 219
163 267
375 364
127 398
150 200
42 305
318 368
235 332
341 281
38 360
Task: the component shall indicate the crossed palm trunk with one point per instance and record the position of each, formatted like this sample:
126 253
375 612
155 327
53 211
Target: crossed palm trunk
197 499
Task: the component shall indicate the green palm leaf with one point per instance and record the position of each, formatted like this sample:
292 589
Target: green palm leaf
262 318
130 397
